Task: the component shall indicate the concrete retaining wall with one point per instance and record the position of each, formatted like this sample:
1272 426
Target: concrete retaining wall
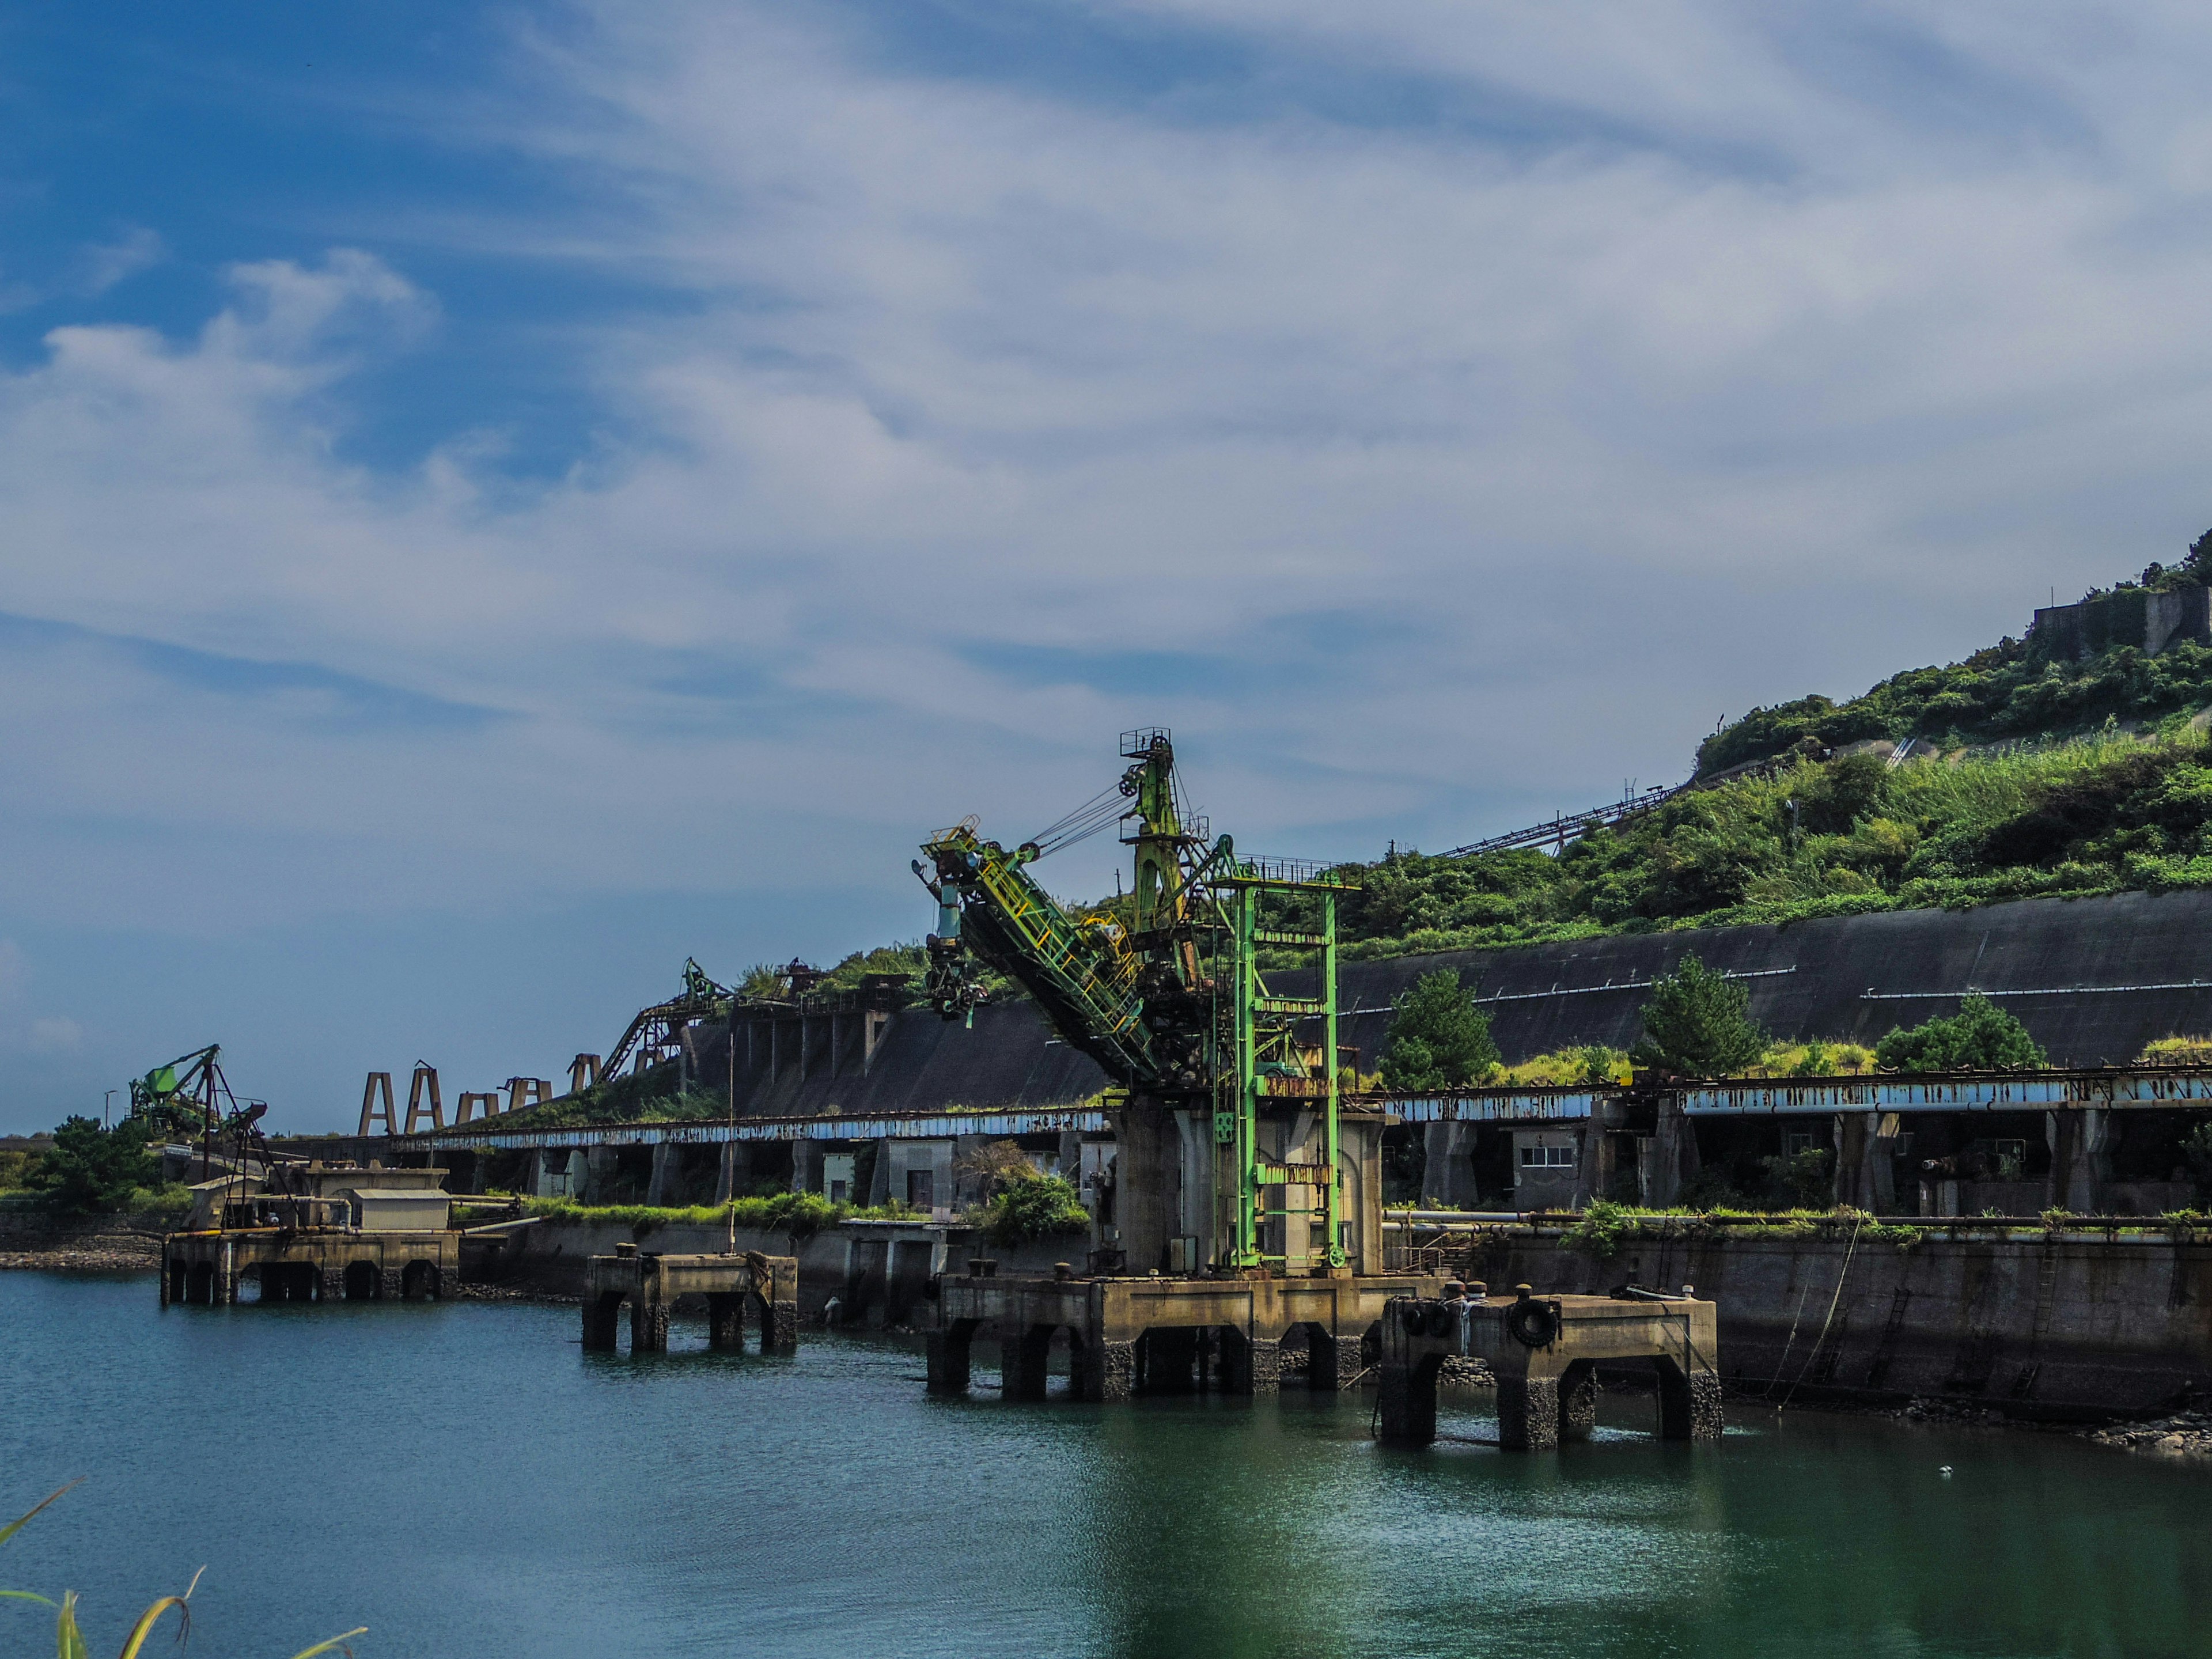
2067 1328
858 1265
2140 952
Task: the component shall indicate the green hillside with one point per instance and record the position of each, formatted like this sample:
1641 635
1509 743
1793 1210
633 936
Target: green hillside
2012 689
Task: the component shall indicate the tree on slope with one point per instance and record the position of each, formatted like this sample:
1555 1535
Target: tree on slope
1438 1039
89 1169
1980 1037
1696 1025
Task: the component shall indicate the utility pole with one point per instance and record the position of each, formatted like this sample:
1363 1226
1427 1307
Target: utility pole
106 1104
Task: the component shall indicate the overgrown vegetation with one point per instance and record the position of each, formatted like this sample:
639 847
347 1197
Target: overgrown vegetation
2110 812
1981 1038
798 1214
92 1170
2011 689
1696 1026
1032 1207
1438 1038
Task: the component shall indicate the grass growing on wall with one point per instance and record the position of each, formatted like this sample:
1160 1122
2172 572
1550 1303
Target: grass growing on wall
798 1214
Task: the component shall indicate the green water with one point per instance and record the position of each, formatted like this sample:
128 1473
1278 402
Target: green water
464 1481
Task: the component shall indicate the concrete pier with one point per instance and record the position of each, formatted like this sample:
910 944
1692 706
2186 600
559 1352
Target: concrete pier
769 1285
1157 1335
1544 1352
311 1265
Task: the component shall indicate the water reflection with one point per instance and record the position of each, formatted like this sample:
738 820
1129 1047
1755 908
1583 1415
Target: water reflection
464 1479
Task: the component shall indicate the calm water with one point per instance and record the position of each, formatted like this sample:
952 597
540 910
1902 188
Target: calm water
465 1481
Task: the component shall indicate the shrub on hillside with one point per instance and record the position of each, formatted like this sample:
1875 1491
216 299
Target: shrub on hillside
1980 1037
1438 1038
89 1169
1697 1026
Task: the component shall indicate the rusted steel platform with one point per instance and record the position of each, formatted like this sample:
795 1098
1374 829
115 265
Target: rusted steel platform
651 1284
1544 1352
333 1264
1158 1336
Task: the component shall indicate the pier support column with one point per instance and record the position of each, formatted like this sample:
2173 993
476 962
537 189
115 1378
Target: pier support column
1251 1364
1334 1360
1528 1411
951 1355
1406 1408
1108 1372
780 1335
330 1285
1689 1402
1022 1357
600 1326
1578 1396
648 1326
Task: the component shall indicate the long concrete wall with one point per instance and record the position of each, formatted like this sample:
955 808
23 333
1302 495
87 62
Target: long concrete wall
2122 970
2064 1327
1855 977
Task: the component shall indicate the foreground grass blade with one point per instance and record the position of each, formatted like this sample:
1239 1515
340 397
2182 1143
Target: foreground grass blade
17 1525
335 1641
152 1616
68 1640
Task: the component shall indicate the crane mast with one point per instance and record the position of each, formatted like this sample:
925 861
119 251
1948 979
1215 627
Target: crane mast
1175 1009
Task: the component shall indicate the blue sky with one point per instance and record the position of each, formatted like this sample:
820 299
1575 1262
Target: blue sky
493 501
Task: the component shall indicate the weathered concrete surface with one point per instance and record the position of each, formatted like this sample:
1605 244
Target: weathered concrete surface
1812 978
34 1238
1542 1354
730 1284
308 1266
877 1273
2065 1328
1158 1336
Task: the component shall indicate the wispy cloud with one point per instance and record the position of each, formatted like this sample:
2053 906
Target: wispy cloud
106 264
1437 412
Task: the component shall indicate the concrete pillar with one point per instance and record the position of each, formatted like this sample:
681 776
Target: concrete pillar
1146 1140
1449 1176
579 1173
725 1321
599 1174
599 1319
1407 1402
1251 1364
1590 1143
806 1166
734 1171
1674 1152
667 1161
781 1335
649 1325
879 1175
950 1356
2079 1164
1578 1396
1109 1371
1528 1411
1689 1402
1022 1354
1335 1360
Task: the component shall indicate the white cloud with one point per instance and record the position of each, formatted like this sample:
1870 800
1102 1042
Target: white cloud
1437 469
106 264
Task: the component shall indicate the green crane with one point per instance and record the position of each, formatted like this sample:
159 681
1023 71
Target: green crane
1172 1005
